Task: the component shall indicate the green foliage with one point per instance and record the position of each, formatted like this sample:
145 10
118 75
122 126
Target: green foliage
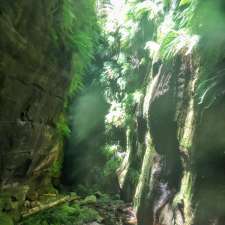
111 166
127 27
166 3
56 168
113 154
91 199
65 214
133 176
80 34
110 151
185 2
175 34
169 33
186 14
116 115
211 90
78 68
5 219
178 43
62 126
148 7
212 30
196 24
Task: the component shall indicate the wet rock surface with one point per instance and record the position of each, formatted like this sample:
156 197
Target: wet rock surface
32 89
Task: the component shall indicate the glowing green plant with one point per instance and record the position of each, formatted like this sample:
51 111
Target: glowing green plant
62 126
211 89
80 33
111 166
148 7
56 168
178 42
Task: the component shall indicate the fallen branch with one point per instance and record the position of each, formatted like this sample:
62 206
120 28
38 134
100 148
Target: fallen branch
43 207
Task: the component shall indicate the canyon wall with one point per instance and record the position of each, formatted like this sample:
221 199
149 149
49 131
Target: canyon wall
40 46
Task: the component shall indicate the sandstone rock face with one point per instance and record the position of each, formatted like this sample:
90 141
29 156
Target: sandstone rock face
33 81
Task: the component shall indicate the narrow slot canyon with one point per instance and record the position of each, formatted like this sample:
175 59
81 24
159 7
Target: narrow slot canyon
112 112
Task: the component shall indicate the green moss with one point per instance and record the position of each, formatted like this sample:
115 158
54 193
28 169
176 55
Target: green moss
91 199
56 168
80 35
62 126
111 166
5 219
5 202
65 214
133 176
143 180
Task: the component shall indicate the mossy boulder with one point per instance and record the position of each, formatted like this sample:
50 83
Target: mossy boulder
91 199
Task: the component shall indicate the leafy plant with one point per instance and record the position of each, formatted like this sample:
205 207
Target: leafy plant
62 126
80 35
56 168
110 151
211 89
113 155
148 7
178 42
116 115
111 166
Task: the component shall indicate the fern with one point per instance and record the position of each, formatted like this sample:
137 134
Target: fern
185 17
211 89
62 126
80 33
148 7
178 43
